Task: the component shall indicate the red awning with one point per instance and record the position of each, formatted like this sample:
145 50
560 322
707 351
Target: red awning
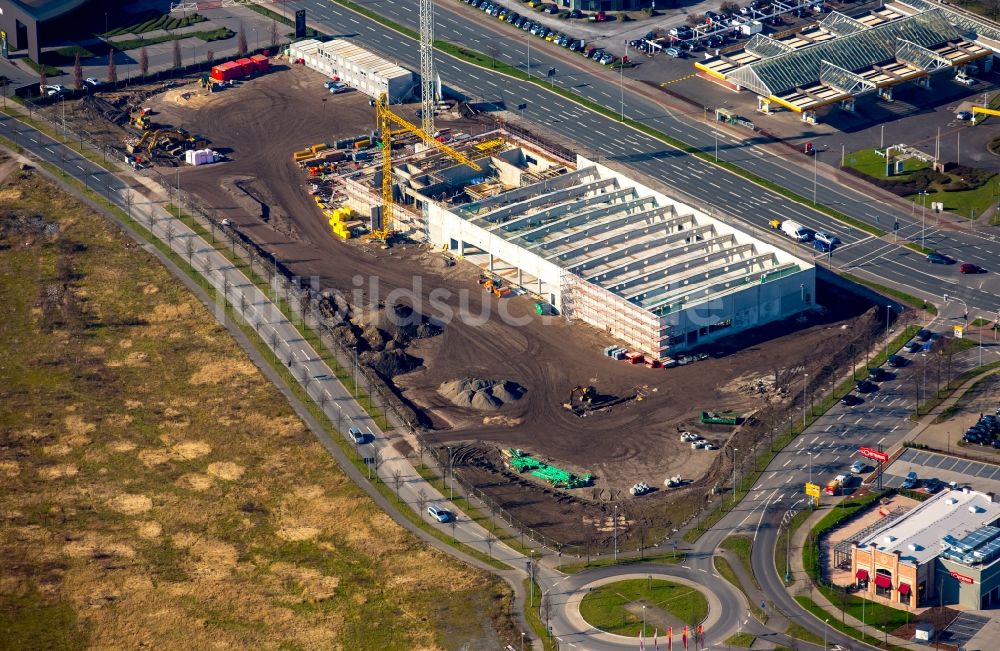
862 575
904 588
882 581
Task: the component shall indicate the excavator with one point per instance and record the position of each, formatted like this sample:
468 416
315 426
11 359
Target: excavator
587 393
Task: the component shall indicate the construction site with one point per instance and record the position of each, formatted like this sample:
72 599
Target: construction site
460 332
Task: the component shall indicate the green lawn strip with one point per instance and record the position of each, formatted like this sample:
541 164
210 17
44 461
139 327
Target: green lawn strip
487 62
50 71
485 521
838 514
782 550
742 640
163 21
741 546
219 34
969 204
822 615
800 632
870 163
604 607
53 133
919 248
726 571
658 559
900 296
980 322
943 394
266 353
532 613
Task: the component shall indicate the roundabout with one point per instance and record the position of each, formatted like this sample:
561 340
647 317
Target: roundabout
643 606
601 609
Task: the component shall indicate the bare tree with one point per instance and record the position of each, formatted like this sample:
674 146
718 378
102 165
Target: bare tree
490 539
206 268
112 70
143 61
241 41
324 400
642 530
421 501
129 201
244 303
991 8
177 54
728 7
226 286
274 33
397 481
170 233
421 450
189 250
43 80
209 56
77 73
273 340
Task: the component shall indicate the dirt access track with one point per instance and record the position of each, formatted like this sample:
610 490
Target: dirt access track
262 121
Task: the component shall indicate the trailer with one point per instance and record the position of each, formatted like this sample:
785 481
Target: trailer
720 418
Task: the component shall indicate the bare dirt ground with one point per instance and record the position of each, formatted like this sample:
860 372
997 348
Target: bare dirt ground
157 491
637 441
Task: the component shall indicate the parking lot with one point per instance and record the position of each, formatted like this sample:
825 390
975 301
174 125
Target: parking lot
981 476
963 628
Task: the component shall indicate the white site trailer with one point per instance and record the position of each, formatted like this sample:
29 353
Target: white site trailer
356 67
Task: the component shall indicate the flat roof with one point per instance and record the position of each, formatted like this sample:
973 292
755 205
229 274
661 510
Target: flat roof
47 9
918 534
362 58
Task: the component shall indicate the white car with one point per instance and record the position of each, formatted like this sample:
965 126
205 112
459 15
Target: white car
357 435
964 115
966 81
439 514
92 81
54 89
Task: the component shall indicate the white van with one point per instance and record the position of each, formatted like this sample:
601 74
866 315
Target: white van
795 230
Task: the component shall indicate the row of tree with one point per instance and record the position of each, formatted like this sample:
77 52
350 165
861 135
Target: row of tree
112 72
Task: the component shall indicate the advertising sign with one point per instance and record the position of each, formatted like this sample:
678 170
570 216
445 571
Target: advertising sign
812 490
881 457
300 23
963 578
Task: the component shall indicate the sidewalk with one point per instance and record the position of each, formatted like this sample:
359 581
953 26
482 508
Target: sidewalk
803 586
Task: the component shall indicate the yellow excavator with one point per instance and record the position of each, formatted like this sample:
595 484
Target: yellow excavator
586 393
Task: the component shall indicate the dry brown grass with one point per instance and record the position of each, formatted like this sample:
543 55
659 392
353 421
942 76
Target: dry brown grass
156 490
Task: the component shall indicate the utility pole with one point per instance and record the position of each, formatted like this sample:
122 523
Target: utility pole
805 379
735 450
616 532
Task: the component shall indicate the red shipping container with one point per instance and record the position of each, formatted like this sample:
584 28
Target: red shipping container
260 62
226 71
247 66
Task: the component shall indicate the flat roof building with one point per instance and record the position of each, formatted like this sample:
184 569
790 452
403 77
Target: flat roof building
943 551
23 21
356 67
598 246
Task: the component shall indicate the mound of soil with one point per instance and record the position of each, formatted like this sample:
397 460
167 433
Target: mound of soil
485 395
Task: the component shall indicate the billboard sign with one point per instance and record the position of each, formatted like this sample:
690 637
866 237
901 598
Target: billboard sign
300 23
812 490
875 455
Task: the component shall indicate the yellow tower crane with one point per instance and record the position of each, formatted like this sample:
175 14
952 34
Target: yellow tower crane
386 120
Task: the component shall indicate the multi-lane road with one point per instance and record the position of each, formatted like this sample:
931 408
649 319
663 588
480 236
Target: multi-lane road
730 196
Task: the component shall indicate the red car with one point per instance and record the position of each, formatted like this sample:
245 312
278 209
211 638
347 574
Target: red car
969 268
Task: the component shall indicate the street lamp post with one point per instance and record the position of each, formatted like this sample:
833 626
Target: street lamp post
256 38
810 466
621 79
451 476
735 450
887 315
826 625
531 576
815 173
616 532
923 212
805 379
529 56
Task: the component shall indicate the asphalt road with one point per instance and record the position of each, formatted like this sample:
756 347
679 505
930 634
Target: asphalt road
730 196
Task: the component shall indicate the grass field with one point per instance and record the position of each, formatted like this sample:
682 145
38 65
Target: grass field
867 161
157 491
616 607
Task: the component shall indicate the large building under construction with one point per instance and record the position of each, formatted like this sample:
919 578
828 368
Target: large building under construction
598 246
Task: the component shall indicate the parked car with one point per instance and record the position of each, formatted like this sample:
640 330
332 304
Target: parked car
830 240
969 268
858 467
576 45
965 80
438 513
674 52
681 32
93 82
607 59
932 485
865 386
551 9
850 400
912 347
924 334
896 361
597 54
576 13
939 258
876 374
911 481
964 115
